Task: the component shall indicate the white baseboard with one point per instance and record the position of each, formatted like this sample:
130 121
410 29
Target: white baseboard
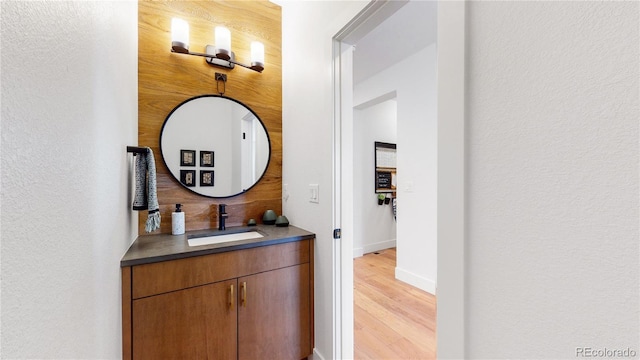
418 281
316 355
369 248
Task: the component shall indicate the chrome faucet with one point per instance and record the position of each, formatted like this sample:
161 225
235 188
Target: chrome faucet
222 216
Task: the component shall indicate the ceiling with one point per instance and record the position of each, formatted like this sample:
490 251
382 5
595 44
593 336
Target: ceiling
407 31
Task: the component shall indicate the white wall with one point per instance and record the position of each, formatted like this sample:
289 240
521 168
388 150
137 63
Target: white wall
414 81
307 121
69 109
552 172
374 227
553 186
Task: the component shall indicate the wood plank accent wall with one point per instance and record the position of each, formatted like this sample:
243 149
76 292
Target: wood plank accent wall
166 79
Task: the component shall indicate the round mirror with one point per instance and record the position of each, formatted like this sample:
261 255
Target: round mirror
215 146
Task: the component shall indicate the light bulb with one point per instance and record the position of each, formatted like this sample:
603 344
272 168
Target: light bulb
257 55
179 35
223 42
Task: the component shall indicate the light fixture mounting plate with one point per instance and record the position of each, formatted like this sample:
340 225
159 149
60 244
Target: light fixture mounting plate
221 77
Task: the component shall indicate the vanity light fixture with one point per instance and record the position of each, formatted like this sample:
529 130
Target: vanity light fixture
218 55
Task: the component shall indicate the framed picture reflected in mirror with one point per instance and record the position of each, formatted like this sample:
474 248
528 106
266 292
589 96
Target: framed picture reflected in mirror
206 177
188 177
206 158
187 158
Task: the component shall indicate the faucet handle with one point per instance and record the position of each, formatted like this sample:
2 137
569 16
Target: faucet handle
222 216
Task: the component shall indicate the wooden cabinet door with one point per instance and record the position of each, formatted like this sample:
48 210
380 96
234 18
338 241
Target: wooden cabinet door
195 323
274 314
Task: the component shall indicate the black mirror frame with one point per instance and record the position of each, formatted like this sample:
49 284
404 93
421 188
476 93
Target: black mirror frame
226 98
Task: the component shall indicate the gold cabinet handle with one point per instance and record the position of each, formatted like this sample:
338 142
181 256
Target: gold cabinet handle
231 297
243 299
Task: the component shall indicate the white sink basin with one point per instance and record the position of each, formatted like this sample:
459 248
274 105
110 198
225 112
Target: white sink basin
223 238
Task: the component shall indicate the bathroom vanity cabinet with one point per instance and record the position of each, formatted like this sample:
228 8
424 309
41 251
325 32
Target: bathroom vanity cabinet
252 300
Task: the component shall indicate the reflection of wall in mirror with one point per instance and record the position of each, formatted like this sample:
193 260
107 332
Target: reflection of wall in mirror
247 150
255 154
261 142
202 126
237 114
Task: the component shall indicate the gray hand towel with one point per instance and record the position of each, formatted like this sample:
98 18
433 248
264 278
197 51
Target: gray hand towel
146 196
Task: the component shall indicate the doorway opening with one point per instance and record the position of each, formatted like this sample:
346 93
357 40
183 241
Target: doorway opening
447 159
395 101
374 220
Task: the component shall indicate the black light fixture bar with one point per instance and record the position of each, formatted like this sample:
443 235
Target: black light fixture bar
225 63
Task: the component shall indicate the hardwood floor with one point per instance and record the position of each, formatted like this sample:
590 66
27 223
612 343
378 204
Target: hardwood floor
393 320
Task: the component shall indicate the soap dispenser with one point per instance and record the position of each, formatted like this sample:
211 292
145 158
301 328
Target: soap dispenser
177 221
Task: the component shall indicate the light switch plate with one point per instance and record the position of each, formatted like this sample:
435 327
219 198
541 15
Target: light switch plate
408 187
314 193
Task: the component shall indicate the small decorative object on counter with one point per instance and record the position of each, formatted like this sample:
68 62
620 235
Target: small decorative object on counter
381 199
282 221
269 217
387 199
177 221
252 222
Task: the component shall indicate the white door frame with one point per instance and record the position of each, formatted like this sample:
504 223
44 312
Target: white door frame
451 166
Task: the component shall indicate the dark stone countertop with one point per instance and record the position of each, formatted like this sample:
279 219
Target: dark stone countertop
161 247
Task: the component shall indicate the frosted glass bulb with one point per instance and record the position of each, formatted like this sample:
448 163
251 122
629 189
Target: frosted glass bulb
223 42
257 56
257 52
179 35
